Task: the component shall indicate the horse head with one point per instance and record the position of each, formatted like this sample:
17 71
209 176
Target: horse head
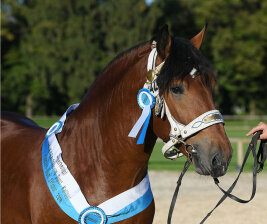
184 102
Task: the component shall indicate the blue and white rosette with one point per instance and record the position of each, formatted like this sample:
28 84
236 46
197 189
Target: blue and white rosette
146 101
92 215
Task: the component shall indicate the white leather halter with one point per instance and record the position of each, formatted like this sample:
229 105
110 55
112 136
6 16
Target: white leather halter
179 132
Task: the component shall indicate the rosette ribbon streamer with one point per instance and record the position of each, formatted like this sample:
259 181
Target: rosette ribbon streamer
146 101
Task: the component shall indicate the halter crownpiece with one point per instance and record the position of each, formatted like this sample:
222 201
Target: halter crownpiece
179 132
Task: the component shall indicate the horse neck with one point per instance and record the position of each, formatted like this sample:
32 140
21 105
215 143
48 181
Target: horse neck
95 140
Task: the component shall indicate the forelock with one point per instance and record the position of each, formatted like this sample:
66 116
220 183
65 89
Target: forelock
182 59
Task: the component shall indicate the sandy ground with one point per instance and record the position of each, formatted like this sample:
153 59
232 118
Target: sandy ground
198 195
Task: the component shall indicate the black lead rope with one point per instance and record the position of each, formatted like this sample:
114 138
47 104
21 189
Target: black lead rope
186 166
258 166
259 160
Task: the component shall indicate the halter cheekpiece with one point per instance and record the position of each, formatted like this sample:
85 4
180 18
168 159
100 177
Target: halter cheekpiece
148 98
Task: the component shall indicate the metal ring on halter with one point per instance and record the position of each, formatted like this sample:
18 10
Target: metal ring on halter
180 141
192 151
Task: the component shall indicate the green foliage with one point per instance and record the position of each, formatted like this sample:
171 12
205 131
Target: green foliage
238 42
14 87
179 15
53 50
58 50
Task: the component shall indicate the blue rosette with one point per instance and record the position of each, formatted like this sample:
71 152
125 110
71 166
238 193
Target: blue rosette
92 215
145 98
146 101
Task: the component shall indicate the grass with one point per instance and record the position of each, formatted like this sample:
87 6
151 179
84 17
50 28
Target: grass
234 129
241 123
46 122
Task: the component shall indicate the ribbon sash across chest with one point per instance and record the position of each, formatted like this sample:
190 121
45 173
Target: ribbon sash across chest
67 192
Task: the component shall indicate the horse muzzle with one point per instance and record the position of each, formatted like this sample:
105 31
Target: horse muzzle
213 163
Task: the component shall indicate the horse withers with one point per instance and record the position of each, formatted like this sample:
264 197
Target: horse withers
94 140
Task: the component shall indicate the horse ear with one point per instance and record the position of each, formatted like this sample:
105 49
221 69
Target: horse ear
163 40
197 40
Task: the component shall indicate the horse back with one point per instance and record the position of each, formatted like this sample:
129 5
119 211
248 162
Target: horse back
17 131
11 117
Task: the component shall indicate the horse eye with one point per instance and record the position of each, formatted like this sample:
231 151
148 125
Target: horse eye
177 89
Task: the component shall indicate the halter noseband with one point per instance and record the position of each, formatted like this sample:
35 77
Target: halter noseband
179 132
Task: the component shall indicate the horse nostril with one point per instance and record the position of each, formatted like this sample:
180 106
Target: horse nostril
218 165
216 161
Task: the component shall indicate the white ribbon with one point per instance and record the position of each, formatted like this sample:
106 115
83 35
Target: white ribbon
136 128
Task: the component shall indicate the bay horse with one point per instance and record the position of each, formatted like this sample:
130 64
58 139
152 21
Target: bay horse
95 144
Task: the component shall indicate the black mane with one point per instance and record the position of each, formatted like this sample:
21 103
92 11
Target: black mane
182 59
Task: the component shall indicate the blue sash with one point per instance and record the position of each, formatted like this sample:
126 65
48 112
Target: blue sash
69 197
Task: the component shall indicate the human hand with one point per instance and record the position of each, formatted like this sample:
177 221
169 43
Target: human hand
261 126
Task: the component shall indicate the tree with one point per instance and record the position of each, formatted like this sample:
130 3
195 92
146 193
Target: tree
53 50
237 36
13 87
58 54
179 16
124 24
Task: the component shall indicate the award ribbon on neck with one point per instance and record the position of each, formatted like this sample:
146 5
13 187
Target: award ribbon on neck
146 101
68 195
